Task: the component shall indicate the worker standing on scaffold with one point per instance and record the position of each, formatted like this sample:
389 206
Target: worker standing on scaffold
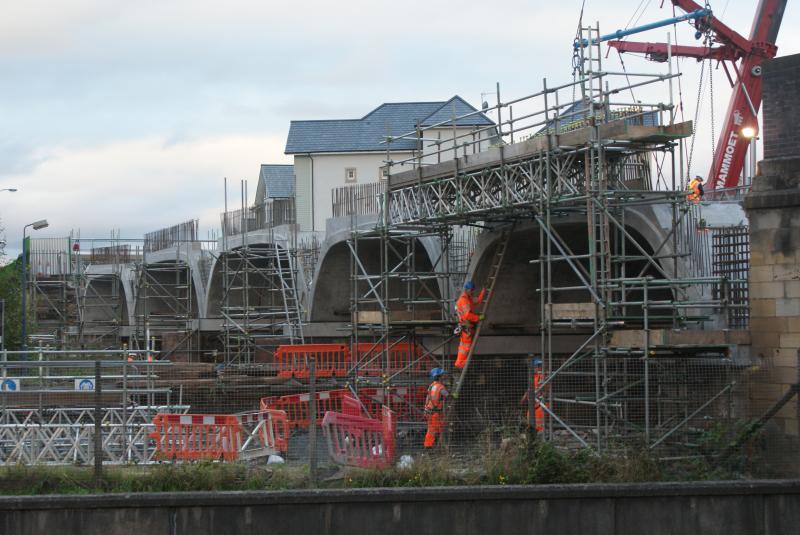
467 320
695 188
538 412
434 407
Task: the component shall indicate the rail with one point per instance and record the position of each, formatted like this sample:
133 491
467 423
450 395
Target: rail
259 217
360 199
164 238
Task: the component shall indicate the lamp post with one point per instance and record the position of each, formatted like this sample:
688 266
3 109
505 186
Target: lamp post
42 223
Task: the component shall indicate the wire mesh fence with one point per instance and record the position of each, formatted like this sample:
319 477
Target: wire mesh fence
332 405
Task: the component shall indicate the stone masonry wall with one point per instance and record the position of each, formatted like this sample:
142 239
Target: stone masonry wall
773 208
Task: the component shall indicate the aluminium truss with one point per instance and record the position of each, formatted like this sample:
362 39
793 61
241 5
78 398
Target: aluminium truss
62 435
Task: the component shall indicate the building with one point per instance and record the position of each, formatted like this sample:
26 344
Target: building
337 153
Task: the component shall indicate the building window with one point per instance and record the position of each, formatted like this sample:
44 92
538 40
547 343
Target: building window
350 174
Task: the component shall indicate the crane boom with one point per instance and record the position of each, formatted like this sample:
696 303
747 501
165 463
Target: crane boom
745 100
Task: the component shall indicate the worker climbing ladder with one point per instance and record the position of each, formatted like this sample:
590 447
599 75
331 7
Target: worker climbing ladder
494 272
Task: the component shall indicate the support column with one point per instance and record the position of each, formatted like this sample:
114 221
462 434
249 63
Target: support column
773 208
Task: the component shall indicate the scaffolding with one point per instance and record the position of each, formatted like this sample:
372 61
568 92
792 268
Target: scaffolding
166 304
102 295
52 285
260 306
639 372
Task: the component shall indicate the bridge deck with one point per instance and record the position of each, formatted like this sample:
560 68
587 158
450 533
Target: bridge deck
616 133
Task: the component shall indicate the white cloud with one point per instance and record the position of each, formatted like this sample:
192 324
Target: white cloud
135 186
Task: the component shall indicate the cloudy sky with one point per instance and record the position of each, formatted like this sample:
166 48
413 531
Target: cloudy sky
127 115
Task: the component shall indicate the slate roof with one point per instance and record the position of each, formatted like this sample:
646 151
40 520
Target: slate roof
278 180
579 110
366 134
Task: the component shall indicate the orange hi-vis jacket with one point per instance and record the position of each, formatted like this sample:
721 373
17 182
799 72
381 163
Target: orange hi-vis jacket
695 190
465 306
435 399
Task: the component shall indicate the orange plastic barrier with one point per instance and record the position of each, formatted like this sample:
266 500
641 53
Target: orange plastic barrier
332 360
403 356
360 441
407 402
270 426
192 437
296 406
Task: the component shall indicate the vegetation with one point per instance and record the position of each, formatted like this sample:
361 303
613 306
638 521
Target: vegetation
11 293
20 480
512 464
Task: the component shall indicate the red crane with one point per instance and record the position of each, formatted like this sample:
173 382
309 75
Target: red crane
742 115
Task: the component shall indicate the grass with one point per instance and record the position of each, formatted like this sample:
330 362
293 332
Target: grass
515 462
19 480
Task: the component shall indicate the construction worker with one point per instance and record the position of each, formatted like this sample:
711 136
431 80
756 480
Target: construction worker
695 188
538 412
434 407
467 320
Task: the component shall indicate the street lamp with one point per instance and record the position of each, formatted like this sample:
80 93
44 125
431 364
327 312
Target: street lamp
42 223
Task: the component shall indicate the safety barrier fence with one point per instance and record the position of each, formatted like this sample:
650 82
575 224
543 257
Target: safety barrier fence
406 403
355 439
337 360
192 437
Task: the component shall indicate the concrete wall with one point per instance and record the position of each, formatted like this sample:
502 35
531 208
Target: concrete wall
329 173
317 174
479 141
725 508
773 208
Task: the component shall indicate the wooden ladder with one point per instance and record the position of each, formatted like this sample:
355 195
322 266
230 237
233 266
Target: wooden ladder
494 272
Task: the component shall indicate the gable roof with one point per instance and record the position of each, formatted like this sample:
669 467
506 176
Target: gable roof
275 182
367 133
456 106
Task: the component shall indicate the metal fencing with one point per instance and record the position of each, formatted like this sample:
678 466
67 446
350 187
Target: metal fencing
258 217
165 238
360 199
333 404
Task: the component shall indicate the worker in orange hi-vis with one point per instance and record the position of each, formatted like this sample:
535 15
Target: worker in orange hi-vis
538 412
467 320
695 188
434 407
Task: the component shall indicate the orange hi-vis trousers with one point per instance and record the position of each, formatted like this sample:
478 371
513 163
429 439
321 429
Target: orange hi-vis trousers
435 426
464 345
538 414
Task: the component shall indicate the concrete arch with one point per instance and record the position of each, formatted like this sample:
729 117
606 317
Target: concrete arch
330 296
214 292
107 299
516 306
157 265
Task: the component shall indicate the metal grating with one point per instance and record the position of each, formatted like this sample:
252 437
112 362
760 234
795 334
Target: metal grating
731 259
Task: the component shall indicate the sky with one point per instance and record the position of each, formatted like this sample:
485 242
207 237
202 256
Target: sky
127 116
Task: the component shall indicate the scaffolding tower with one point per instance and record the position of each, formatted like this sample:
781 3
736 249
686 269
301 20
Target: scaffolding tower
102 299
166 307
260 306
52 285
640 372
